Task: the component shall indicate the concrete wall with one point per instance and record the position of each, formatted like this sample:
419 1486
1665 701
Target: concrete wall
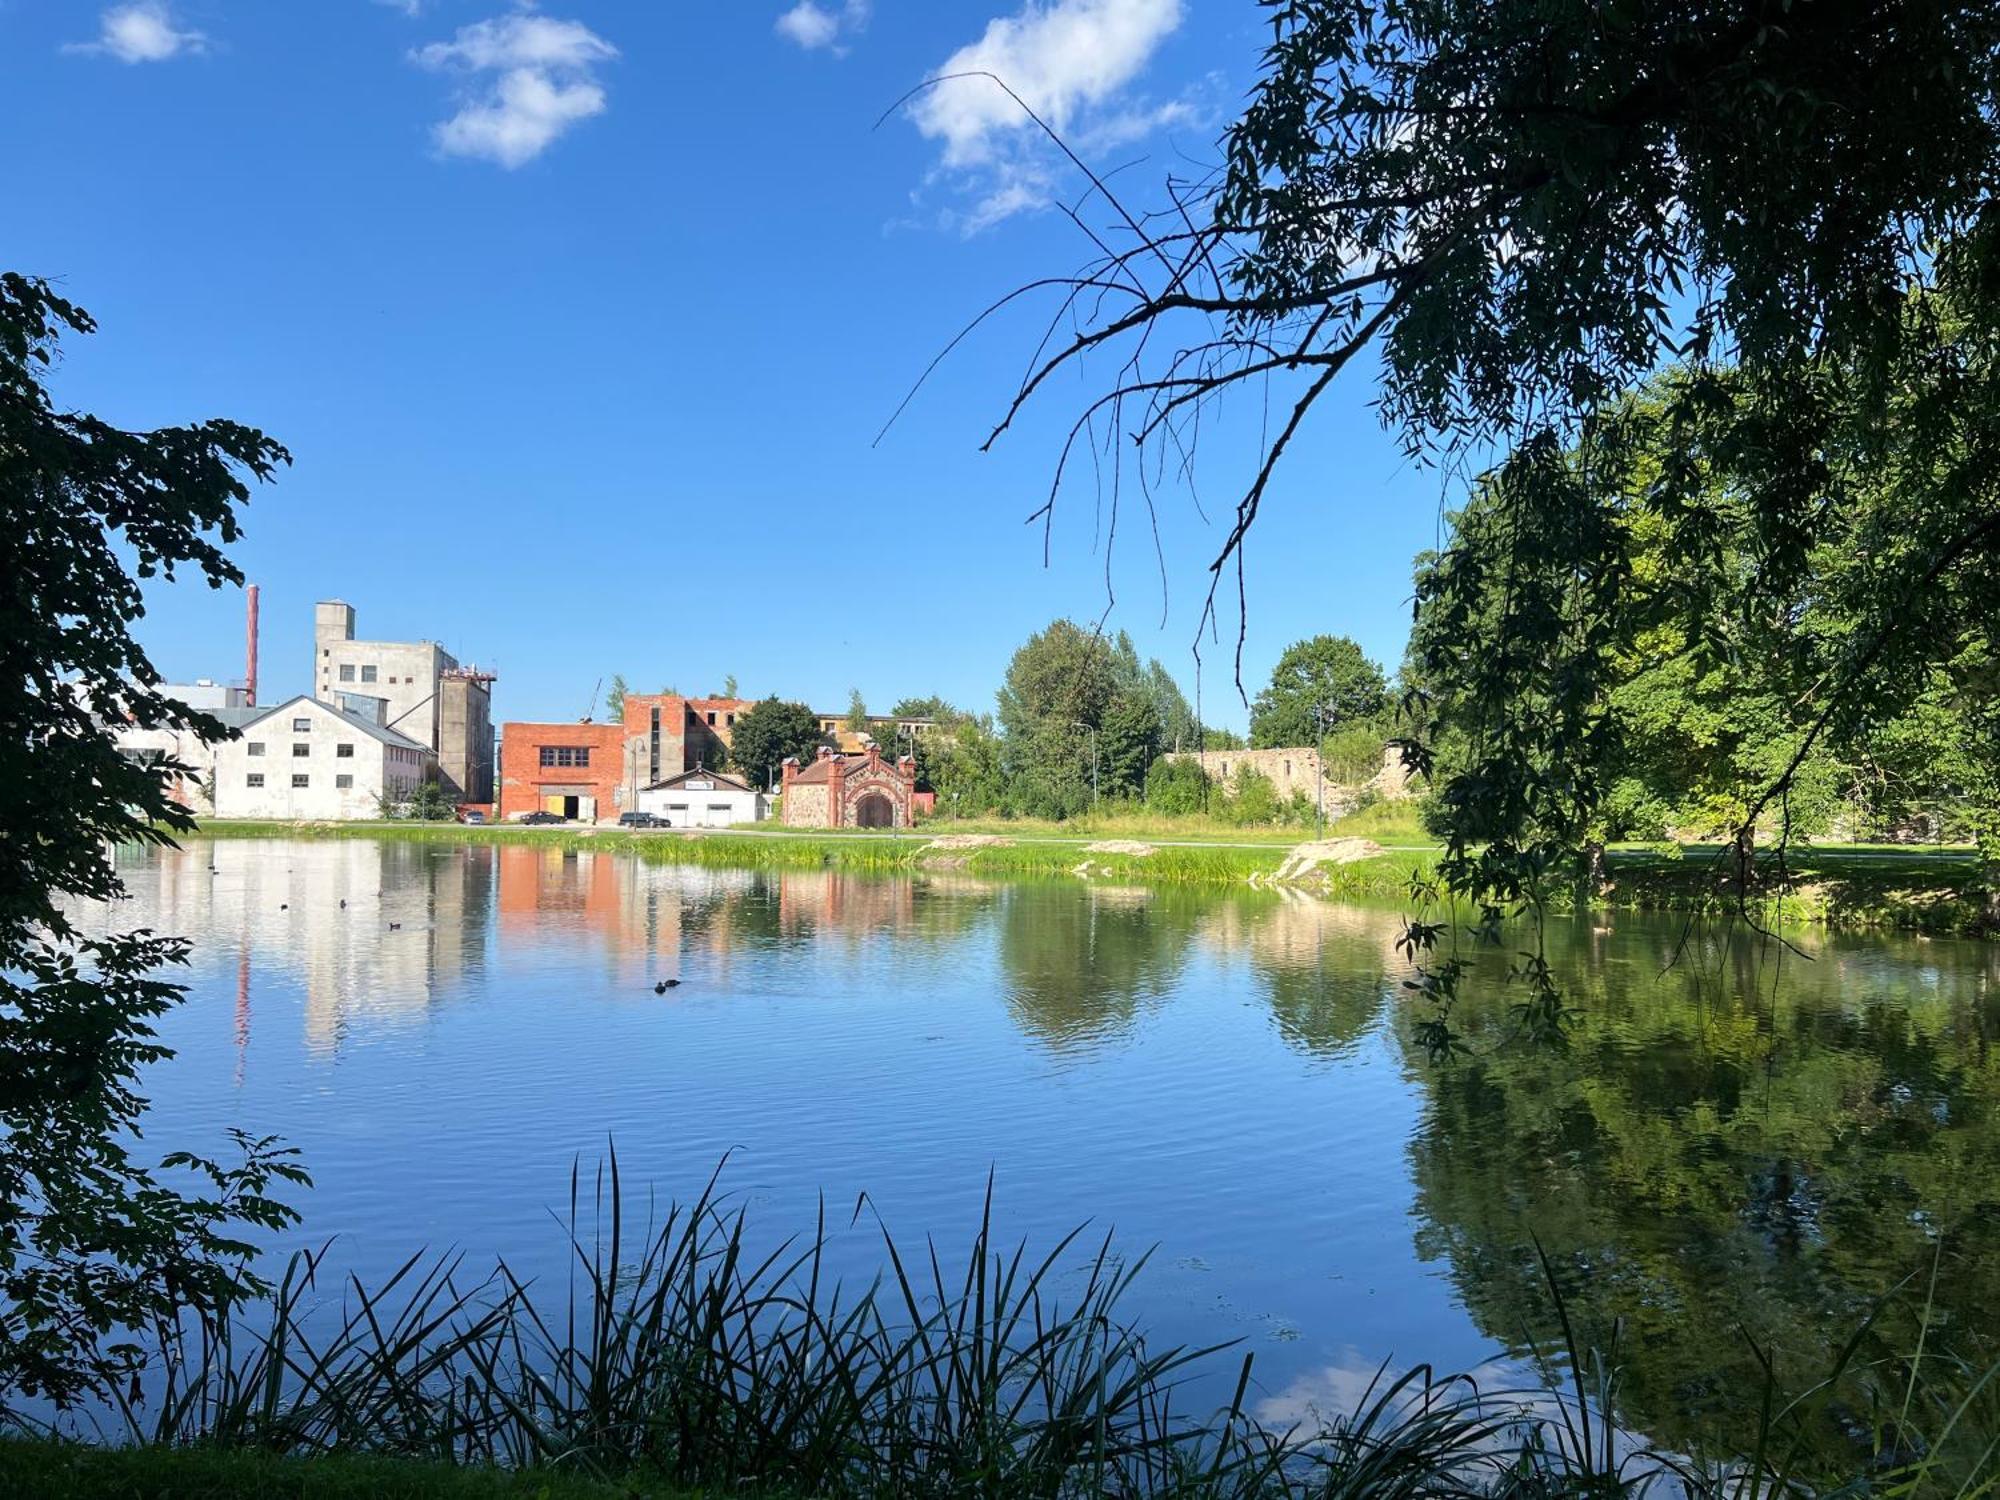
465 739
1298 770
270 750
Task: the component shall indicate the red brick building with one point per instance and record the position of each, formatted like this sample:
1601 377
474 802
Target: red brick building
593 772
850 791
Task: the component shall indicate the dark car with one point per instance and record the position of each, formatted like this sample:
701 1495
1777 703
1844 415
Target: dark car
642 820
544 817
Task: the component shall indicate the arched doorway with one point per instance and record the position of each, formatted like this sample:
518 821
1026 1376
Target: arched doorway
875 811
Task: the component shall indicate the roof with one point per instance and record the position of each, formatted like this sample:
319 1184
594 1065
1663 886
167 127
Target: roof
719 778
354 721
818 770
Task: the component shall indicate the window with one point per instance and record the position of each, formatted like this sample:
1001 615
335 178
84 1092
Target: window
343 782
302 726
565 755
347 671
255 778
254 747
368 674
711 716
300 747
653 763
343 752
729 720
302 781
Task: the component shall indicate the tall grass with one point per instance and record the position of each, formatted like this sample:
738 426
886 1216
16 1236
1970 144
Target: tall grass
676 1353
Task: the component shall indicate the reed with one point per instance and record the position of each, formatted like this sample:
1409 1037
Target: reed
677 1356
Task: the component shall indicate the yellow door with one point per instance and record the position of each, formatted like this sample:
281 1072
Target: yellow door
553 804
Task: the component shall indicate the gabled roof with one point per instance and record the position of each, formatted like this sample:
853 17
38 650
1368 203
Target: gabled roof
354 721
852 765
667 783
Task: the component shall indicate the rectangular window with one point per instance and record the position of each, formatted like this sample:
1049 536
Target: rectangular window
343 752
653 763
255 778
302 781
302 726
343 782
730 720
565 755
254 747
347 671
300 747
711 716
367 674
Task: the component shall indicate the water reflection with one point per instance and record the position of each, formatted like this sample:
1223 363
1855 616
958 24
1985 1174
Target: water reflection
1734 1139
1746 1146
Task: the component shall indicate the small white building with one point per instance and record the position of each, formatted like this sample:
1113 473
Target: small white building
311 760
704 799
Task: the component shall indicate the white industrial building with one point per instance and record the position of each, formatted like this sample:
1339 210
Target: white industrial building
307 760
221 701
704 799
422 692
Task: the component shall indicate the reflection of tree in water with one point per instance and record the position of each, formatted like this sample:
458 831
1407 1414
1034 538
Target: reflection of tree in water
1081 962
1734 1146
1325 968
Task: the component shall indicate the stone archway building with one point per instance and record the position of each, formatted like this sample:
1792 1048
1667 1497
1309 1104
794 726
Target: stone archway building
849 791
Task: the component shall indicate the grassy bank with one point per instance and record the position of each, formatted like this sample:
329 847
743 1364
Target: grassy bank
1013 853
1932 891
32 1469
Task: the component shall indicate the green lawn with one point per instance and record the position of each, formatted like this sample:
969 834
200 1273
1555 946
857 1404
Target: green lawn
36 1470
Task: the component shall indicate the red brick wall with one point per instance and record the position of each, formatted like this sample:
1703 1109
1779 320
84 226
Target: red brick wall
523 776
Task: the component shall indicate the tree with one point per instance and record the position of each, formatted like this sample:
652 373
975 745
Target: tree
93 1245
1524 211
614 701
1321 684
729 685
769 731
1052 702
1128 744
1175 788
857 712
425 803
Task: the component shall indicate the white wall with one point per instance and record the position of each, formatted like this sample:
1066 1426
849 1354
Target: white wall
370 766
686 807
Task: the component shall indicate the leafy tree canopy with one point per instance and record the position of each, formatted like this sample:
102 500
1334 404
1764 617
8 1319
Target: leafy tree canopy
1319 685
92 1243
769 731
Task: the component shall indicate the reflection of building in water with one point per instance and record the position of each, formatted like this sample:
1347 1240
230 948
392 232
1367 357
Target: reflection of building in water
1326 968
322 911
827 901
645 916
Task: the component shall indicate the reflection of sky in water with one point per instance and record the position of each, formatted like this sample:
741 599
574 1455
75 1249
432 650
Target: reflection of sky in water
443 1031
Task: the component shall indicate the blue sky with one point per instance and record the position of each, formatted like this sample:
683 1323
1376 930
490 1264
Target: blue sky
581 319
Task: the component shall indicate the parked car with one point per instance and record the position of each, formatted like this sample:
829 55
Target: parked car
472 817
544 817
642 820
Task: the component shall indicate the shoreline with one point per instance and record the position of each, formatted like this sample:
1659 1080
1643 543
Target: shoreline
1936 892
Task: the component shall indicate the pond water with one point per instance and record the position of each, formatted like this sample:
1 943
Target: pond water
1745 1140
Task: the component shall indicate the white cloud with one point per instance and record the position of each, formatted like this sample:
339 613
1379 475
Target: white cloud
813 26
141 32
542 82
1061 58
1072 62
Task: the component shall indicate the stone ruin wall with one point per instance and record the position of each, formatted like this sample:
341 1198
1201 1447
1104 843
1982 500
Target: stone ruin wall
1297 770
